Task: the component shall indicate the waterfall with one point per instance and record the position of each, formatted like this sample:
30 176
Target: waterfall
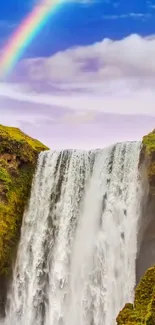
75 263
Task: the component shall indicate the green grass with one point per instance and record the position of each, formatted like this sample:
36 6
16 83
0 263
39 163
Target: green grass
13 141
149 142
18 158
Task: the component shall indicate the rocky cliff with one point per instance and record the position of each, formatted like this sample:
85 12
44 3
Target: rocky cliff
142 311
18 158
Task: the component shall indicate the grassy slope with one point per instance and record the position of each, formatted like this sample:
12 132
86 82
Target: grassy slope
18 158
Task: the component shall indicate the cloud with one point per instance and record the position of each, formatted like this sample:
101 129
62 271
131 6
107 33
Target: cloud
119 99
100 93
150 4
109 76
129 57
133 15
7 25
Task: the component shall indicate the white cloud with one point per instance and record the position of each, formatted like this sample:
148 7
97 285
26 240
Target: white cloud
140 102
130 57
110 76
134 15
115 77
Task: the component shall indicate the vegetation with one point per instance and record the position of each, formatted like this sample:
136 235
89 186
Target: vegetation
143 309
148 153
149 142
18 157
15 142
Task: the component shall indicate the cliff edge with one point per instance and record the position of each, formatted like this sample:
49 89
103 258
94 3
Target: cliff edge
18 158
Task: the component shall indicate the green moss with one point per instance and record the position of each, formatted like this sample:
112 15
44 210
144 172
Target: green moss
18 157
148 153
149 141
13 141
143 309
4 175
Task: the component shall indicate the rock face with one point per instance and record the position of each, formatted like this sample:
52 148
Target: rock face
142 311
18 158
146 256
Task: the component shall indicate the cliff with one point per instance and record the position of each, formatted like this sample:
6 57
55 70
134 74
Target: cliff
142 311
18 158
147 156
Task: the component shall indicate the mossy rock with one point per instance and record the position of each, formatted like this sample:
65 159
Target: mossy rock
18 158
148 154
14 141
149 142
143 309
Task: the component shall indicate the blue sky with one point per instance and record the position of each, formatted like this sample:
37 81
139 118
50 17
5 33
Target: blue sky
80 24
87 79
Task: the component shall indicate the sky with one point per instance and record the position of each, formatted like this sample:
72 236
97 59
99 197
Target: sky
87 79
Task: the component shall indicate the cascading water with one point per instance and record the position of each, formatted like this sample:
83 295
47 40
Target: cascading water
76 257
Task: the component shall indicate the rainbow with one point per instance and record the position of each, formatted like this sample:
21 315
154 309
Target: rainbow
24 35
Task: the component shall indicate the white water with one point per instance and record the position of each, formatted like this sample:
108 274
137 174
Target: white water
76 258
